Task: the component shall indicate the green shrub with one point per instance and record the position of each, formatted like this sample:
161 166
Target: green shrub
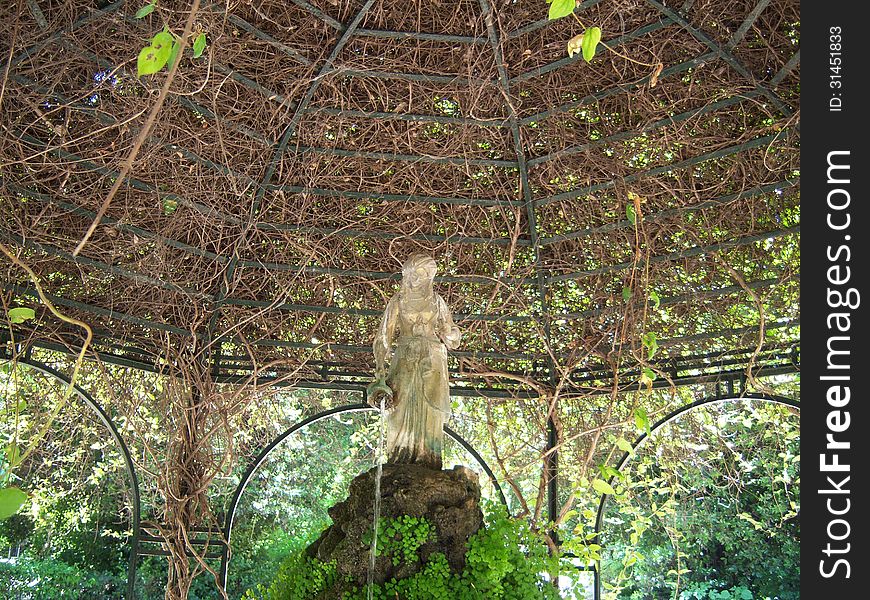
298 577
505 560
49 579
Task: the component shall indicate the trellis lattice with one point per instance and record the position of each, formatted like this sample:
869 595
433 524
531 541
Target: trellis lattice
317 144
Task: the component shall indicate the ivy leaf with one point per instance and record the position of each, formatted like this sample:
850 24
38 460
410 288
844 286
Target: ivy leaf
630 214
591 37
154 57
650 342
560 8
602 487
654 298
162 43
624 445
20 314
199 45
11 499
146 10
608 471
147 62
641 420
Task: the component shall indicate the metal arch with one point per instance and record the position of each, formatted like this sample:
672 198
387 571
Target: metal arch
264 454
125 451
730 397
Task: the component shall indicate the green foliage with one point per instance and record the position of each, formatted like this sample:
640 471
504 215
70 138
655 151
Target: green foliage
50 579
156 55
76 518
199 45
651 343
145 10
257 558
162 51
641 420
602 487
11 499
711 590
285 505
299 576
560 8
505 560
169 206
591 38
402 537
20 314
709 510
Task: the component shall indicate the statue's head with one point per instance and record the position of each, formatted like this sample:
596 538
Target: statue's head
419 270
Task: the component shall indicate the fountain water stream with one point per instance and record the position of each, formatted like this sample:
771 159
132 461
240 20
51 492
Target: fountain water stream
377 504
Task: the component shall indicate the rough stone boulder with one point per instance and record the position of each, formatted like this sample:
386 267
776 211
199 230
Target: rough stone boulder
449 500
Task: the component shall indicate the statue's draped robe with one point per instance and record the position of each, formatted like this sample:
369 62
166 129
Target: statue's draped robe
417 376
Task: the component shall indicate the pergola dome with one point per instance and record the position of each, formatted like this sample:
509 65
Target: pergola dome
574 208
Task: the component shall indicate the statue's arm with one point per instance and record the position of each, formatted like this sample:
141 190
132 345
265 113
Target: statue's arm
384 337
447 329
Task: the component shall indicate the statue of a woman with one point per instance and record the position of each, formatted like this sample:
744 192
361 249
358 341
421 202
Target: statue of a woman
419 322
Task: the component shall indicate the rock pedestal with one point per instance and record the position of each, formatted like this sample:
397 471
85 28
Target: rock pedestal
448 500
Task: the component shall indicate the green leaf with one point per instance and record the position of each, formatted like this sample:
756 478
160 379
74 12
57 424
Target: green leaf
626 293
560 8
602 487
146 10
173 55
641 420
654 298
591 37
13 455
630 214
163 43
650 342
649 374
147 62
20 314
154 57
11 500
608 471
624 445
169 206
199 45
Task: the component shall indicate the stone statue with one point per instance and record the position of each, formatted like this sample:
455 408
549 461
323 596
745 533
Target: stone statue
419 323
